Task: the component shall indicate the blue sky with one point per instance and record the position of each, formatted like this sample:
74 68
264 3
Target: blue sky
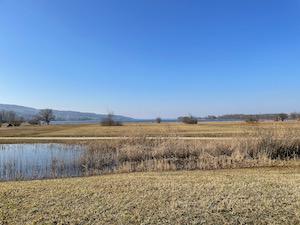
149 58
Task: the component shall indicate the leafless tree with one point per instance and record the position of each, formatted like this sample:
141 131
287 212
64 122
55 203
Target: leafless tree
294 115
45 115
283 116
109 121
18 121
10 116
34 121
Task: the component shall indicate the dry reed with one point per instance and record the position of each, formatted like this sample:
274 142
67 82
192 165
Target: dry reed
261 147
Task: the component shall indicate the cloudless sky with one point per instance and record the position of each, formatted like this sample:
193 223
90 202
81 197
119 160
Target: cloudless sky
149 58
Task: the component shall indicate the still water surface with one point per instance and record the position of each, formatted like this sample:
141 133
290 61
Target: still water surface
40 161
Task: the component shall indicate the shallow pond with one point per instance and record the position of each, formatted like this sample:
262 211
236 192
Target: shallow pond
40 161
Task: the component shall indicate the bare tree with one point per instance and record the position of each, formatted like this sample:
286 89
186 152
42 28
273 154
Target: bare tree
294 115
158 120
109 121
10 116
34 121
45 115
18 121
283 116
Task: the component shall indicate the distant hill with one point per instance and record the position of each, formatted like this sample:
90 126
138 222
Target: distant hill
29 113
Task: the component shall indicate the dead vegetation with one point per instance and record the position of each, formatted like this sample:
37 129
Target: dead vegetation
240 196
258 147
268 147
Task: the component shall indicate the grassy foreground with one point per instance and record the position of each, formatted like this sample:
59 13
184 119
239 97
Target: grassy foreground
240 196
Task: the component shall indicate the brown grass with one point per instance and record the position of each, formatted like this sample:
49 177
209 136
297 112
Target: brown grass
271 147
202 129
240 196
263 146
265 195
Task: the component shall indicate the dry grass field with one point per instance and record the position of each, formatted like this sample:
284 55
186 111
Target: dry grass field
239 196
202 129
166 181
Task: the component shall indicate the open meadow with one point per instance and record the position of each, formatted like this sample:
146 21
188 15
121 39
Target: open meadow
95 130
252 178
239 196
202 129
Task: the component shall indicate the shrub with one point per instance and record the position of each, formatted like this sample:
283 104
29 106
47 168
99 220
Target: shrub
189 119
251 119
109 121
34 121
281 116
158 120
18 121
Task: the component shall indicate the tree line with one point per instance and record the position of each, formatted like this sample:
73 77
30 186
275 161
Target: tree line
10 117
265 116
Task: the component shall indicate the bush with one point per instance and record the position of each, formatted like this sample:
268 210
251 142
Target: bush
281 116
34 121
189 119
109 121
251 119
158 120
18 121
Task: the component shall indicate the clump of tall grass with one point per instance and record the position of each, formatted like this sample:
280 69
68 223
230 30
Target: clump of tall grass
167 152
272 143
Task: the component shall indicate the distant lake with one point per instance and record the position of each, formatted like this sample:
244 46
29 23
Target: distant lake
136 121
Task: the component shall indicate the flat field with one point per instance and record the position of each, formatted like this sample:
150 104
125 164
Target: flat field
265 195
202 129
239 196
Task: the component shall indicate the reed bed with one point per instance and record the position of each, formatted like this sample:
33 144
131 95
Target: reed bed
259 148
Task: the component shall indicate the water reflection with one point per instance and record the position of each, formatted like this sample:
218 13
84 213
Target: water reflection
40 161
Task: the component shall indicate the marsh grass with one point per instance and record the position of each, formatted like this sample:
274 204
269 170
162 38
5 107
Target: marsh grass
275 146
262 147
